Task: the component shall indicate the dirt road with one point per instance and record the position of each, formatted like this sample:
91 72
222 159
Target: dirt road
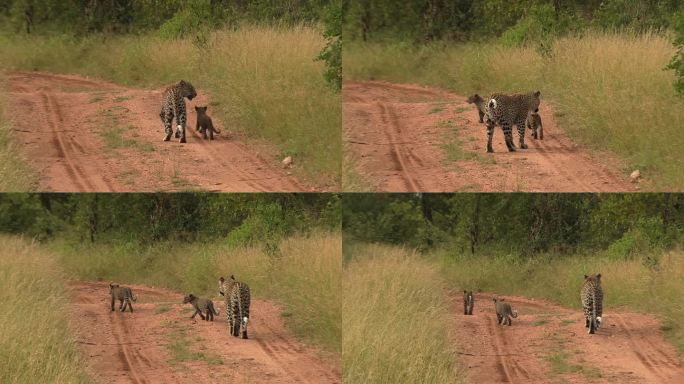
549 344
413 138
137 347
88 135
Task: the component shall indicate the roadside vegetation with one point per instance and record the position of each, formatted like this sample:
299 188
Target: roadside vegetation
395 318
36 344
15 175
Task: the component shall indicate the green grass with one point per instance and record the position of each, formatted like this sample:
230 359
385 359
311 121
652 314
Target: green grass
113 133
15 174
36 345
453 147
305 277
560 361
627 284
183 349
263 82
385 341
610 91
162 308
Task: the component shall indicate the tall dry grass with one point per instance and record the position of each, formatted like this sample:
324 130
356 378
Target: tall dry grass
304 275
15 175
263 81
609 90
35 343
395 319
627 284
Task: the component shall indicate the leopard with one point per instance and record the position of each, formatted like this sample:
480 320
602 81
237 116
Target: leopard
509 110
204 123
237 298
534 123
504 312
479 103
468 302
201 305
123 294
173 105
592 302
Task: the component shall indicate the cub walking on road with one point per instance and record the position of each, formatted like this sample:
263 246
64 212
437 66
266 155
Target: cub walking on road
534 124
479 103
123 294
504 312
204 123
468 302
201 305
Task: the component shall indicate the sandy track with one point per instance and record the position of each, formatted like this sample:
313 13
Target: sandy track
629 348
132 347
66 125
397 135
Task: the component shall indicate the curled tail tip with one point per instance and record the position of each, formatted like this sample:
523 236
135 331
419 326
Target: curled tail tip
515 314
492 103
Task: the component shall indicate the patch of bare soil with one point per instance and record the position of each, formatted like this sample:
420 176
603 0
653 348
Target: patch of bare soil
548 343
85 135
135 347
400 136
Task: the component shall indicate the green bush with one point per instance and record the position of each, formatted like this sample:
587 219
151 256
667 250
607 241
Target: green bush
677 63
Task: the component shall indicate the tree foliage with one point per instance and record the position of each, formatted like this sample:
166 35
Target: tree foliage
241 218
120 16
427 20
517 223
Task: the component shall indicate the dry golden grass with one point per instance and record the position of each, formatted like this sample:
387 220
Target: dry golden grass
610 91
395 319
35 343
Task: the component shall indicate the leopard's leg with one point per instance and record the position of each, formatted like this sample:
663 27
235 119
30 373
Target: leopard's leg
481 116
181 120
508 135
490 134
521 133
167 118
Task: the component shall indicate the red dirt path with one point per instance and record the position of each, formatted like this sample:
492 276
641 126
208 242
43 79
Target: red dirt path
397 135
132 347
61 122
628 348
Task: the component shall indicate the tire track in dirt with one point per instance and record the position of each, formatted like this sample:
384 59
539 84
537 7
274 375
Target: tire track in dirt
134 347
631 349
402 138
85 135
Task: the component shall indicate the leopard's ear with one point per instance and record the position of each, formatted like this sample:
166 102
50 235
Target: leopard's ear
537 94
585 276
598 275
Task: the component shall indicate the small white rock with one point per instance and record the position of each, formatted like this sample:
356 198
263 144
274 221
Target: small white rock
287 162
635 176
